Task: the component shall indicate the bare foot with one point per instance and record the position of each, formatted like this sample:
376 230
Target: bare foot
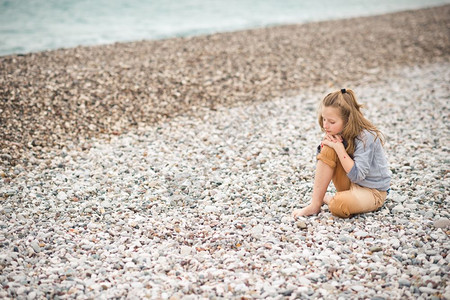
327 199
306 211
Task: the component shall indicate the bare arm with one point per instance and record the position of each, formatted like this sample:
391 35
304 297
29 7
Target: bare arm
335 142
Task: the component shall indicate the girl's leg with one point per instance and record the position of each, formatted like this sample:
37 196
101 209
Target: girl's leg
328 168
322 179
356 200
350 198
340 179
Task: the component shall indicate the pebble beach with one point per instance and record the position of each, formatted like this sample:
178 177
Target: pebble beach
169 169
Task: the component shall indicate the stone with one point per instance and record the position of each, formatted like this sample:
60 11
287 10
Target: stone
301 225
357 288
304 281
35 246
442 223
427 290
289 271
395 243
399 209
257 230
211 209
185 250
376 249
361 234
62 196
404 282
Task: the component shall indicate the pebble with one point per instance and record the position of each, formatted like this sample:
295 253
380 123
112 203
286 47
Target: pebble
427 290
301 224
442 223
35 247
185 250
289 271
258 230
211 209
404 282
199 207
304 281
357 288
360 233
62 196
376 249
395 243
399 209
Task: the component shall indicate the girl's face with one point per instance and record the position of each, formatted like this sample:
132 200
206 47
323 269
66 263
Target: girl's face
332 120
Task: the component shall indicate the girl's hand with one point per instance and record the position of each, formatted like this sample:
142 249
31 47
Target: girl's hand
332 141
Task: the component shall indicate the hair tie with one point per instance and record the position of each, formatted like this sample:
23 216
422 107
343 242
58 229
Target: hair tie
343 91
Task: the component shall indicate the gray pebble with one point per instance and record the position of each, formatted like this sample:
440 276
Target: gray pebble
35 246
404 282
442 223
427 290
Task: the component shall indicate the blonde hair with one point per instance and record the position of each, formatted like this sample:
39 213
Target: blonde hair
355 122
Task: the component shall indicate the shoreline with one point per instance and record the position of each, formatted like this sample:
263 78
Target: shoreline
70 95
187 33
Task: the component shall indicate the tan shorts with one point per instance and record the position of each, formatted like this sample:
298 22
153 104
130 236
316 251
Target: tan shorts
350 198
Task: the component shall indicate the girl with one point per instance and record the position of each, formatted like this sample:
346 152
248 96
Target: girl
352 156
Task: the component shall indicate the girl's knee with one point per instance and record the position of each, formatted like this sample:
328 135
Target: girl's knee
339 207
328 156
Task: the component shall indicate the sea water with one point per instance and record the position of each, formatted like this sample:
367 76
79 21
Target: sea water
38 25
